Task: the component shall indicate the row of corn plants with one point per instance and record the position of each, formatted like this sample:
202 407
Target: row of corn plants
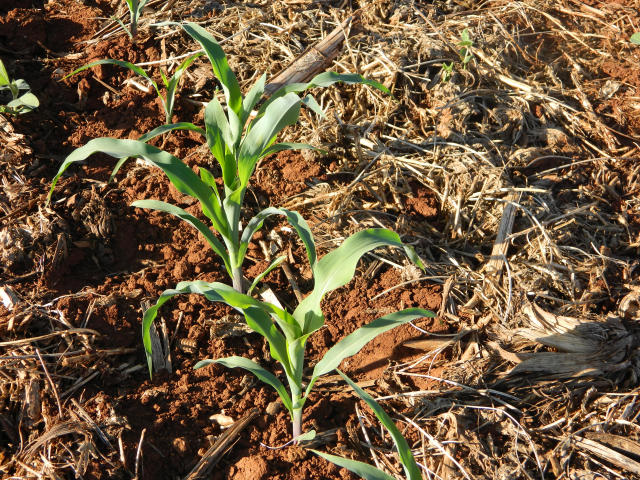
237 142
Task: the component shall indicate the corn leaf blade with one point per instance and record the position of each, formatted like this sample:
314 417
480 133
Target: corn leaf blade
260 322
220 141
212 291
119 63
282 112
170 127
4 76
404 451
338 267
295 220
213 242
271 266
363 470
172 84
253 97
181 176
279 147
353 343
325 79
219 64
251 366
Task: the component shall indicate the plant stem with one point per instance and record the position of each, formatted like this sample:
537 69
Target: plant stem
297 423
238 281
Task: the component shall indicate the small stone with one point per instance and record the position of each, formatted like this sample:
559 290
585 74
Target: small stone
180 444
273 407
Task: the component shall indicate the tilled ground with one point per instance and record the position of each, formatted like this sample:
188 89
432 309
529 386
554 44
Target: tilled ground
515 176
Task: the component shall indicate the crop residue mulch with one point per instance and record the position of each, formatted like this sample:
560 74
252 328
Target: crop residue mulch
517 179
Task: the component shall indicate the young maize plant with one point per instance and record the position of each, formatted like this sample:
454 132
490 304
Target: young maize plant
236 143
287 333
465 52
135 9
19 103
170 84
364 470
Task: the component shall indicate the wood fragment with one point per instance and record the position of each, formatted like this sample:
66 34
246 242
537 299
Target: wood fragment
501 245
53 385
32 400
63 333
225 441
607 454
139 454
294 285
313 60
87 418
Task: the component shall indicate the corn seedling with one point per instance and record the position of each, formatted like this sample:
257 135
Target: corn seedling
287 333
135 9
19 103
364 470
465 52
635 38
170 84
447 71
235 143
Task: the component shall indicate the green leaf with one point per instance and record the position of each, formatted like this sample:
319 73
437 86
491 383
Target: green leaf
273 265
257 370
278 147
214 243
282 112
635 38
165 80
295 219
20 84
24 104
252 98
172 84
404 451
29 100
119 63
338 267
116 169
306 436
325 79
4 76
180 175
214 292
314 106
219 64
295 350
208 178
220 140
260 322
465 40
353 343
363 470
170 127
